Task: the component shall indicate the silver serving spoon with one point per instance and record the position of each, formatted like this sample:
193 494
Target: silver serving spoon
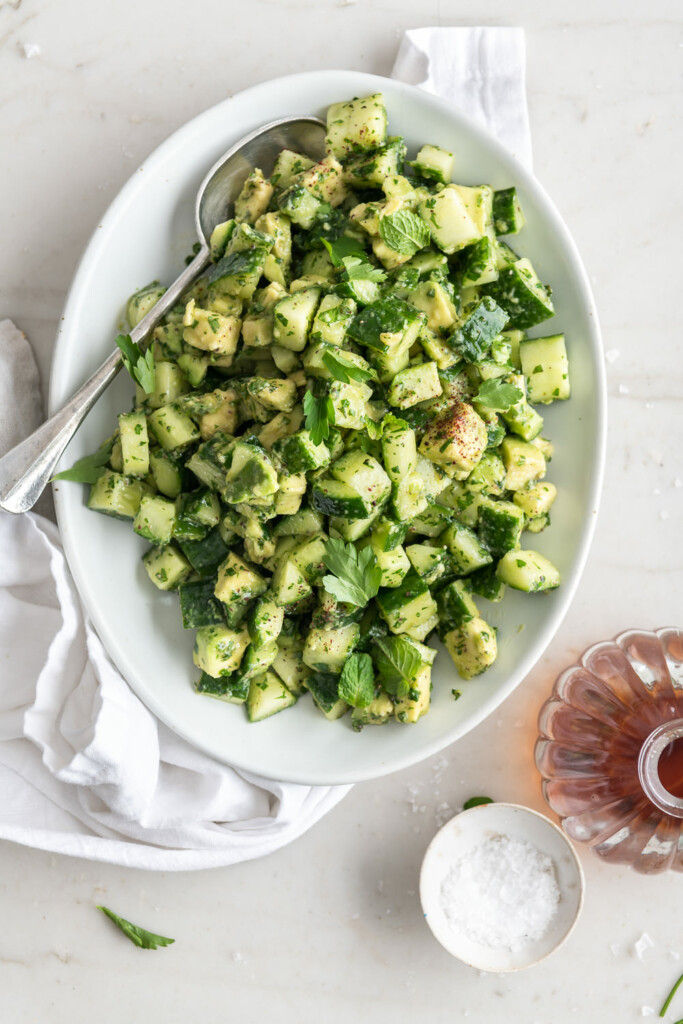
26 469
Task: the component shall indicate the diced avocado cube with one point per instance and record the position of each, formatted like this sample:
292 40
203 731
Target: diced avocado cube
415 702
434 301
524 463
166 567
332 319
237 583
414 384
528 571
356 125
115 495
289 585
142 302
254 197
218 650
300 454
292 318
536 500
326 650
134 443
457 438
378 712
472 646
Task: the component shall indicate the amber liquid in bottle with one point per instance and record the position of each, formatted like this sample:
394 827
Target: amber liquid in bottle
611 750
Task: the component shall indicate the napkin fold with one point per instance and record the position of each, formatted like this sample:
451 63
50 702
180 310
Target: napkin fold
85 768
480 70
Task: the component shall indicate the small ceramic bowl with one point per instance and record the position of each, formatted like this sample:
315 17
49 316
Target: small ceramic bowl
461 835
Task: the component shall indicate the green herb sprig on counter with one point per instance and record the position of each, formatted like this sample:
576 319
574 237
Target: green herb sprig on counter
139 936
476 801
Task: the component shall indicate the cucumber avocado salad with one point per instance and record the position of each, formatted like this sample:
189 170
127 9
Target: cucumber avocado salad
335 449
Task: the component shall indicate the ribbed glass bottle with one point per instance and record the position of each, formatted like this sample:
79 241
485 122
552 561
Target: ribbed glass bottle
610 750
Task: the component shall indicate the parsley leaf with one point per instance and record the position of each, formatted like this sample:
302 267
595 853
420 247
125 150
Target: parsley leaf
88 469
140 365
497 395
373 429
356 269
397 662
357 681
356 576
343 247
319 412
141 938
344 370
476 801
404 232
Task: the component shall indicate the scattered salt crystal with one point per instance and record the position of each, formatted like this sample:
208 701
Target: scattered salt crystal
615 949
612 354
664 514
647 1011
624 389
656 491
678 482
503 894
31 50
674 955
238 958
643 943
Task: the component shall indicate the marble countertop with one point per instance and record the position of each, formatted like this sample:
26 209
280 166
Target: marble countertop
330 928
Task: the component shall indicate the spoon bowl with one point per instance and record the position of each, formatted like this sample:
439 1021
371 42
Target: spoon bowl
27 468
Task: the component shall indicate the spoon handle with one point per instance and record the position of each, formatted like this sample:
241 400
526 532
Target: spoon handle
27 468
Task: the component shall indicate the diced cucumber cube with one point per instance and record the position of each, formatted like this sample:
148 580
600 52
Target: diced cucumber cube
521 294
267 695
116 495
466 549
546 368
414 384
500 525
292 318
324 690
508 217
434 163
356 125
227 688
326 650
524 462
155 519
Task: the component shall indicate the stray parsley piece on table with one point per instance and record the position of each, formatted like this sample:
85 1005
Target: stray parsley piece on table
356 576
404 232
343 370
476 801
342 248
319 412
90 468
357 681
139 936
497 395
140 365
397 662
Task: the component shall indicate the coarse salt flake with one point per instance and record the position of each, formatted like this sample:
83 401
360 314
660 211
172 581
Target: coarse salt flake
503 893
644 943
647 1011
31 50
612 354
624 389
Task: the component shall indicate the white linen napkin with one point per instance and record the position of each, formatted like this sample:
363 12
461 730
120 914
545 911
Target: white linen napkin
85 769
480 70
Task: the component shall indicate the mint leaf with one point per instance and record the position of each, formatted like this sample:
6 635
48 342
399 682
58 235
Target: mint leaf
88 469
373 429
344 370
497 395
356 269
139 936
357 681
319 412
356 576
140 365
404 232
476 801
397 662
342 247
